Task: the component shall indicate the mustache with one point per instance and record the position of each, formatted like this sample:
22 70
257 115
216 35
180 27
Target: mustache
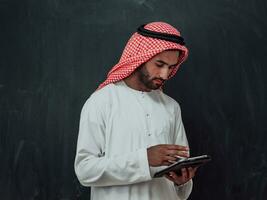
160 79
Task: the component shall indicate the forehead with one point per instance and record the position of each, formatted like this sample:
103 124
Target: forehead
168 55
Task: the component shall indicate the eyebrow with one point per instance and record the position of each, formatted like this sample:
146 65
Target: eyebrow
162 62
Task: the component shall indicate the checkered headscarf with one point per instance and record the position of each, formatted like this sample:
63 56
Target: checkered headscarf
141 49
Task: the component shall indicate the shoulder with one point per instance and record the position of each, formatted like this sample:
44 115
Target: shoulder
169 100
100 98
102 94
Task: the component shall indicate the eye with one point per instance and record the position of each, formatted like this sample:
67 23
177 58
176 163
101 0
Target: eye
159 64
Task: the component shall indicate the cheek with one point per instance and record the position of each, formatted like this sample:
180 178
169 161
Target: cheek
154 71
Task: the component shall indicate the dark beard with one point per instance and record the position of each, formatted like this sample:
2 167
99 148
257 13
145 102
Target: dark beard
146 80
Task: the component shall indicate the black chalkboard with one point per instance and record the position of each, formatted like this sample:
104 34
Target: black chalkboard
54 53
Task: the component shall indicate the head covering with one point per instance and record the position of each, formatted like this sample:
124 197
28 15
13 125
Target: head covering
141 49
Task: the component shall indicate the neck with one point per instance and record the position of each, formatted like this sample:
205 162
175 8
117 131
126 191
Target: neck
133 82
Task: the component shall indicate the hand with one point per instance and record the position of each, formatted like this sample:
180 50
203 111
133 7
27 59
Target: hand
186 175
165 154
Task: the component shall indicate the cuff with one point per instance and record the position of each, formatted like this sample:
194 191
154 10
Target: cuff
184 190
143 163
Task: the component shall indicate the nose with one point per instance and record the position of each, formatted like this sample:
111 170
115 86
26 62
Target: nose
164 73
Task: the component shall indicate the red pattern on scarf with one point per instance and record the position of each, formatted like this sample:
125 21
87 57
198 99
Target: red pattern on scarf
141 49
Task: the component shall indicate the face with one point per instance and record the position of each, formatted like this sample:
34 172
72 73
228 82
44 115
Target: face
156 71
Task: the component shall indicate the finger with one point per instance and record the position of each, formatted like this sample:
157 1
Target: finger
174 147
177 147
176 153
184 173
170 158
169 177
174 175
195 169
166 163
184 154
192 172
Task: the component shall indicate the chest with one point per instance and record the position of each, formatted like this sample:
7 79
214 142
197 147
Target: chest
138 121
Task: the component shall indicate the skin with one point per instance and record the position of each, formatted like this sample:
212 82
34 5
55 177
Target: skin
151 76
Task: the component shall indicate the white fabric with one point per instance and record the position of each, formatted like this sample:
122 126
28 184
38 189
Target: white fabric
117 125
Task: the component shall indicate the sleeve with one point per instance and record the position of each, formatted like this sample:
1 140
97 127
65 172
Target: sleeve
92 167
183 191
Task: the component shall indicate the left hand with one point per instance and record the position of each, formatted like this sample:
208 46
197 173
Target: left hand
186 175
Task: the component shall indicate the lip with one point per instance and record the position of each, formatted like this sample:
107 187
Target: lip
158 81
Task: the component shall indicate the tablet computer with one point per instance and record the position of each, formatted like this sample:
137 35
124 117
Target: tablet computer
184 163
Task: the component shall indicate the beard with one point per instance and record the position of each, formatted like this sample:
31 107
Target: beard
147 80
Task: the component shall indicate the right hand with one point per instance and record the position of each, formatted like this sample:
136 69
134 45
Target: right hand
165 154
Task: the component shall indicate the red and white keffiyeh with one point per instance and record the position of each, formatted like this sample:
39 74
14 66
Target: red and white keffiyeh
141 49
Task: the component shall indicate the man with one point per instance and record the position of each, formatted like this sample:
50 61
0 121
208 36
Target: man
129 128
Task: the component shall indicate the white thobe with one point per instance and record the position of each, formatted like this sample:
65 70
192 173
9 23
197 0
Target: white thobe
117 125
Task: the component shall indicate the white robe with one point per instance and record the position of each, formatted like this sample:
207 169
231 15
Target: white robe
117 125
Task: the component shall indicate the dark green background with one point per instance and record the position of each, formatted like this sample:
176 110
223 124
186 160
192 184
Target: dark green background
54 53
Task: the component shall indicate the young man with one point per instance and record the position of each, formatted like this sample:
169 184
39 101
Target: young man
129 128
